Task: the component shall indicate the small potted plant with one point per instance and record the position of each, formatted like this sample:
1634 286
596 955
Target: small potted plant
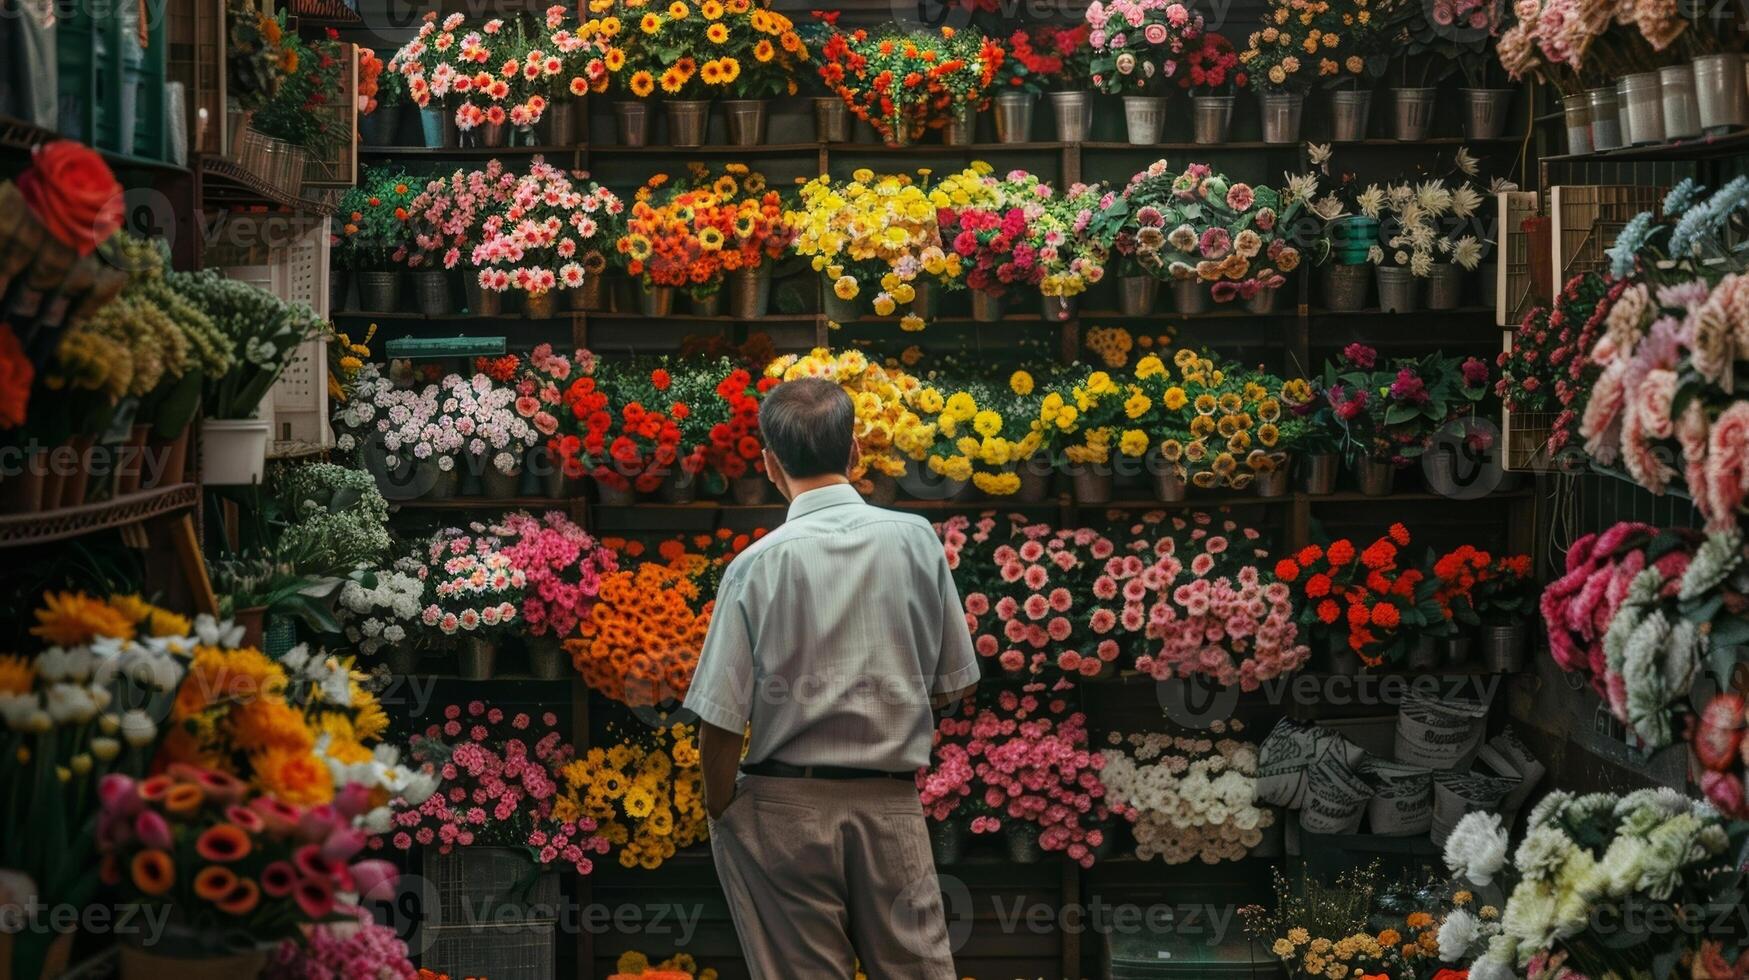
1138 48
1212 75
371 237
473 596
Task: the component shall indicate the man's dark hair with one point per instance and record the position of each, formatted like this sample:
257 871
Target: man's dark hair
809 424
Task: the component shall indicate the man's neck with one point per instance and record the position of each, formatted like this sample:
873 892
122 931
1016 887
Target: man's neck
799 487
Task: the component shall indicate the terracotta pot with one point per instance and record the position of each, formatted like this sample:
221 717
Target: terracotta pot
254 622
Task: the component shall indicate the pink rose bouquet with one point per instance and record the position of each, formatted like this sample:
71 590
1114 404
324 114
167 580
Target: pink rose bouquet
1139 46
500 782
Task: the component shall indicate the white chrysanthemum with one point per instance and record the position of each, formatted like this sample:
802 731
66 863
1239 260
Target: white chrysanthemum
1476 848
1456 934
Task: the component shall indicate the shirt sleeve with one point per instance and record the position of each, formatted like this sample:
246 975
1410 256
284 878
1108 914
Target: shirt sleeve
721 692
957 667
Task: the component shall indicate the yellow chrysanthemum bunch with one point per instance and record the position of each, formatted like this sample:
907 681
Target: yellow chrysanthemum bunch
888 430
1113 345
1219 426
1087 419
882 229
983 430
646 796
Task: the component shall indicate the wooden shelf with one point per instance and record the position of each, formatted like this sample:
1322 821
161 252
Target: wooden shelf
42 527
461 152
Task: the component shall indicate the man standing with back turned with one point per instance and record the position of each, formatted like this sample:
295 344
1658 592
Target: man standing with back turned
836 636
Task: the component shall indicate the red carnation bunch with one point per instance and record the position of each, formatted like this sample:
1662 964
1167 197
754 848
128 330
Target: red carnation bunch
1364 601
735 445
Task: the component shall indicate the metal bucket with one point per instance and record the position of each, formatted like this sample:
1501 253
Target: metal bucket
656 300
1263 301
1605 118
688 121
1719 90
1144 116
1576 113
1092 485
1211 117
1349 109
750 292
1445 286
1414 113
745 119
1319 470
431 289
632 122
710 304
1346 287
1281 116
1136 295
1397 288
379 292
481 301
474 658
1503 647
986 307
1013 113
1073 114
1681 108
1190 296
1376 478
1056 309
831 120
1641 98
961 128
1485 112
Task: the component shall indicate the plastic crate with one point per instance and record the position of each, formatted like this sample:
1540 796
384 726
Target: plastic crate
1587 217
112 92
495 915
505 951
297 271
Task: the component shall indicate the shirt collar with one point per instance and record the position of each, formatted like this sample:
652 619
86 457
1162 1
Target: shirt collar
821 498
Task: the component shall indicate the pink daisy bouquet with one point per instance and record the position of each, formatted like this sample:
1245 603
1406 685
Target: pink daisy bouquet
1139 46
1217 614
501 774
472 588
553 233
428 60
562 565
541 382
1046 605
1023 765
449 216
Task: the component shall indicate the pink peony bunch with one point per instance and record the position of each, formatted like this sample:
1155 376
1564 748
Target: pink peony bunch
1023 759
361 950
562 567
500 779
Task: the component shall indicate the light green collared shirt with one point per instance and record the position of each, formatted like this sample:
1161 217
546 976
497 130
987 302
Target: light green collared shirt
830 635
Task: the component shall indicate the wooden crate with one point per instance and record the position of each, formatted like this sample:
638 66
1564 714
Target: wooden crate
108 99
1512 287
1587 217
338 166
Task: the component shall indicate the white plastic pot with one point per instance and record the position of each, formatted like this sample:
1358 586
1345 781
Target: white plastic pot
233 451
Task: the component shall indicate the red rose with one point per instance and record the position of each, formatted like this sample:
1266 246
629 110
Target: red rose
73 194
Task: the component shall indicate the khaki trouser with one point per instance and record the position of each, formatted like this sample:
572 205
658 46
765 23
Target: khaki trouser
822 873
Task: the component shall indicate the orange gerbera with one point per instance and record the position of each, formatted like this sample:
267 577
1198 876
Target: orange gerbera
213 882
293 776
153 871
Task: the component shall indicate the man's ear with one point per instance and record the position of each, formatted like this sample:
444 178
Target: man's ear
855 457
